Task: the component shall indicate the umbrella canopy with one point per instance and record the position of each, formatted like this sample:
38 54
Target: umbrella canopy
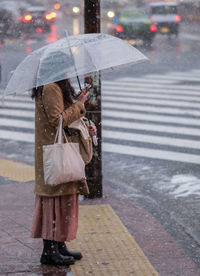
69 57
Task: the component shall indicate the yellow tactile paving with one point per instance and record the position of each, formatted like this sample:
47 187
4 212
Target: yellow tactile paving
16 171
107 246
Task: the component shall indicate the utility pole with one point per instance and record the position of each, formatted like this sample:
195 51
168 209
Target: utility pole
94 169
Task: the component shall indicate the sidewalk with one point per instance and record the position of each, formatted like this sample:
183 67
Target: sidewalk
107 246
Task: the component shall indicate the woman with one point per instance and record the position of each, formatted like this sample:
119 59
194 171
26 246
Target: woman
56 207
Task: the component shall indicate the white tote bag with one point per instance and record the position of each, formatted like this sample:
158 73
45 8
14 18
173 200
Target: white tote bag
62 162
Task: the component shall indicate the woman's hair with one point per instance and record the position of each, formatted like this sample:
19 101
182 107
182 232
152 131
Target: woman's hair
66 87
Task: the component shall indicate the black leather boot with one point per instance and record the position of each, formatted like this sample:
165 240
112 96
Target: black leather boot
65 252
51 255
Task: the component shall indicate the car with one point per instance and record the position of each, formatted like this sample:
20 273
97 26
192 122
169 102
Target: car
37 18
134 23
165 16
6 25
9 19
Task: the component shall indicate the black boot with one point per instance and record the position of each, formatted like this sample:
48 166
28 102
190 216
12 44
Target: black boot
65 252
52 256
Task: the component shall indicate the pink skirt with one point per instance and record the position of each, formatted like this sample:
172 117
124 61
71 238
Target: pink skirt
55 218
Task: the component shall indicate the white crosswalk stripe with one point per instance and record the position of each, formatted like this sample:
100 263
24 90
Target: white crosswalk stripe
15 104
153 116
17 136
16 123
174 77
151 153
151 96
152 127
155 109
152 139
127 83
153 102
17 113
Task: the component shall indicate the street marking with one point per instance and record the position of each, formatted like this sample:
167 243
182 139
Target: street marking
18 113
152 139
152 153
133 94
145 80
155 109
176 103
17 136
146 90
173 77
151 127
197 71
25 98
149 117
184 75
125 83
19 105
17 123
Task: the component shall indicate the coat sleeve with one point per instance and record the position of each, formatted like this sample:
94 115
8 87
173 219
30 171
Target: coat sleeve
54 106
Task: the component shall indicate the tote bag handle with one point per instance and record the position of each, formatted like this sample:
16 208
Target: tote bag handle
60 132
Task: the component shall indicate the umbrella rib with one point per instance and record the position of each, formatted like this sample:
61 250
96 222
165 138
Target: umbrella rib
36 79
92 53
90 57
70 49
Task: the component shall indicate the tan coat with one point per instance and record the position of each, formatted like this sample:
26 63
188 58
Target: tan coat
48 106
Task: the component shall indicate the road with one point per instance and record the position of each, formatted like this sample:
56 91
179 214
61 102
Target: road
151 128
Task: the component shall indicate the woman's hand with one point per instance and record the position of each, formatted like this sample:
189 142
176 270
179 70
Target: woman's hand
92 130
84 95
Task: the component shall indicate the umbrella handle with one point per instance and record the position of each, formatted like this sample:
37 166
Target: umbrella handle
79 83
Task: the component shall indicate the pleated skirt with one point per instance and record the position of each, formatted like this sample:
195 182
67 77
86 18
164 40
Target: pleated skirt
55 218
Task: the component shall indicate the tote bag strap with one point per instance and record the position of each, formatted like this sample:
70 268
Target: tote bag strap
60 132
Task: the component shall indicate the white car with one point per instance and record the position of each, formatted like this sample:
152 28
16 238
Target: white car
165 16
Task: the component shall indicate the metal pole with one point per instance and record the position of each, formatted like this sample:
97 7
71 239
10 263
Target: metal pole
94 169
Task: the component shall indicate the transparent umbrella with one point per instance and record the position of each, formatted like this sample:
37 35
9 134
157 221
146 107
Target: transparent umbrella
71 57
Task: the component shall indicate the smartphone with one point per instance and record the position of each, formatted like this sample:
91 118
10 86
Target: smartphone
88 86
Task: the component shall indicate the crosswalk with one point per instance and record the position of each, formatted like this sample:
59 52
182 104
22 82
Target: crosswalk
155 116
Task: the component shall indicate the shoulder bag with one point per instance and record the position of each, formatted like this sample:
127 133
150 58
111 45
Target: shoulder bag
62 161
85 142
